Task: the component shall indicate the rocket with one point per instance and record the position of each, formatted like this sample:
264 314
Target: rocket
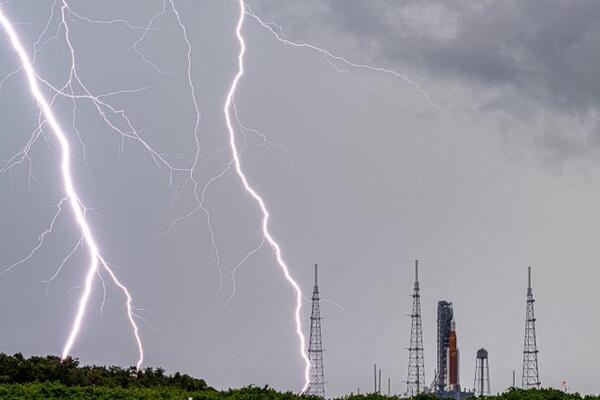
453 360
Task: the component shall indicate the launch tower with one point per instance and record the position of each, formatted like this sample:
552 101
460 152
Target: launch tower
447 382
445 315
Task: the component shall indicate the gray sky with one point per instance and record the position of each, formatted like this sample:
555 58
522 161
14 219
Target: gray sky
370 176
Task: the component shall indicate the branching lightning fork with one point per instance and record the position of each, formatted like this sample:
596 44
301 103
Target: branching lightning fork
75 89
332 58
71 194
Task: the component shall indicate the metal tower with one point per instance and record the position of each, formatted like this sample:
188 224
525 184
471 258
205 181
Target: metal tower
482 374
416 363
315 347
530 352
445 315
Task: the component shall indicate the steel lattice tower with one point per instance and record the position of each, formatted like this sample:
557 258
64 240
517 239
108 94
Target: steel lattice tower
315 347
416 362
530 377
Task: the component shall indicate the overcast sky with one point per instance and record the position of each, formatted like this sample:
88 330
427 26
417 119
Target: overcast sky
361 174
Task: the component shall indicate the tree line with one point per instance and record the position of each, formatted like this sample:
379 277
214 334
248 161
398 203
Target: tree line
55 391
18 369
49 378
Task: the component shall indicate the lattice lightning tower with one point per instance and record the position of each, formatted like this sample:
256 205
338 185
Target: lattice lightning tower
416 363
315 347
530 352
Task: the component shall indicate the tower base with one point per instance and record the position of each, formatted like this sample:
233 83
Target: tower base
455 394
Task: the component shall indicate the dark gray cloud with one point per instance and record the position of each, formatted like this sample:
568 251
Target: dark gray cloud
550 48
531 54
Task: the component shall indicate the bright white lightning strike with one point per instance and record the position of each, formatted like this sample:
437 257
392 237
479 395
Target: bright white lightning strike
75 202
106 112
228 111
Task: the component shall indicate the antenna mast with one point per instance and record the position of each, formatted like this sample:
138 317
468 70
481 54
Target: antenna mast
416 363
530 377
315 347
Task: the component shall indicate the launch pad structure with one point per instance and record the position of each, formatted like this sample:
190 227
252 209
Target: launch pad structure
447 380
445 316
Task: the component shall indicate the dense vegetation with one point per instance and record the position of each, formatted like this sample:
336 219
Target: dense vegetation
18 369
47 378
51 391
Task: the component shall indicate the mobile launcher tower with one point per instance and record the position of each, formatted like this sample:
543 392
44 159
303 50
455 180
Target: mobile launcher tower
447 380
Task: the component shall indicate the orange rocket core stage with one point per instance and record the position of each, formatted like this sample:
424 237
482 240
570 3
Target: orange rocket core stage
453 381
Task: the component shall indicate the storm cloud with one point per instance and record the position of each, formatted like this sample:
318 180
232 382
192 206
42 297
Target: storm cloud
522 57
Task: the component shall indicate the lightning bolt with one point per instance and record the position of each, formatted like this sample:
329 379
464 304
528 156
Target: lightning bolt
108 113
228 112
332 58
231 109
71 195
